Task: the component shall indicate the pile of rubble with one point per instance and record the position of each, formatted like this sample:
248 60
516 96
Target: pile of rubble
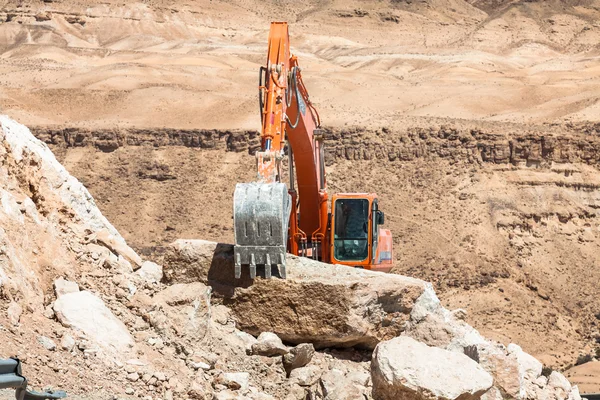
85 312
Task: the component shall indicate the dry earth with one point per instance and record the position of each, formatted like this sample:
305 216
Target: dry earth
475 121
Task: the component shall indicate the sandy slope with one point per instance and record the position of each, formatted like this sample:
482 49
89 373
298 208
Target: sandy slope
188 65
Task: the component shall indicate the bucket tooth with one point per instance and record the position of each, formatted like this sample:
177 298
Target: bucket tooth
268 266
281 266
252 267
238 267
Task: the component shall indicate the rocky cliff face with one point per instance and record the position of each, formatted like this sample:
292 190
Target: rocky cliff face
495 143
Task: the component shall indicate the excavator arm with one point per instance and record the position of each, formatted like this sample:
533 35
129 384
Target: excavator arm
266 222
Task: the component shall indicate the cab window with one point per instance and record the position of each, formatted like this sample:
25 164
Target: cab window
351 229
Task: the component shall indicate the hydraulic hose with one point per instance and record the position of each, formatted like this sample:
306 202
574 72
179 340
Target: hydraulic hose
262 79
288 98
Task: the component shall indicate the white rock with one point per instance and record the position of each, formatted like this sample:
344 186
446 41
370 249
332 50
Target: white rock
133 376
402 366
88 313
306 376
160 376
117 245
48 311
199 365
336 386
118 263
574 394
559 385
47 343
360 377
14 312
269 344
151 272
529 366
10 207
236 380
67 342
63 286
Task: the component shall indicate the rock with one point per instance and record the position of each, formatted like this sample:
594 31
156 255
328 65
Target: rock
151 272
298 356
14 312
196 391
133 376
146 378
492 394
359 377
178 310
160 376
228 395
63 286
88 314
67 342
503 366
199 365
129 391
516 373
118 246
327 305
529 367
235 380
306 376
269 344
47 343
117 263
559 385
49 312
403 368
574 394
335 386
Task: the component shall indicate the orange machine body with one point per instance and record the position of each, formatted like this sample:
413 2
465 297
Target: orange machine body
289 118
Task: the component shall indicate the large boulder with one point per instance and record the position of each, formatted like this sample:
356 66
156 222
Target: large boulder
327 305
403 368
88 314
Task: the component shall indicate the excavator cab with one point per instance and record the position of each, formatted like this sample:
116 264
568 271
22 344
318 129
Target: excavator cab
357 236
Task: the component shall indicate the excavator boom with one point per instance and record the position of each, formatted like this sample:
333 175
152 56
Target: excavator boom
262 209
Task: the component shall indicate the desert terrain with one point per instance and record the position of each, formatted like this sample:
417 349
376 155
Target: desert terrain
476 122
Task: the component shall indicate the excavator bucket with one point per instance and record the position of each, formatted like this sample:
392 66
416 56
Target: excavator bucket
261 214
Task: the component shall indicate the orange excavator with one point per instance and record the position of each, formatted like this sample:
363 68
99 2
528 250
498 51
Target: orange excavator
271 218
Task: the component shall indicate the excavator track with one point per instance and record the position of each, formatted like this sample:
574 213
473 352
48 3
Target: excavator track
261 213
